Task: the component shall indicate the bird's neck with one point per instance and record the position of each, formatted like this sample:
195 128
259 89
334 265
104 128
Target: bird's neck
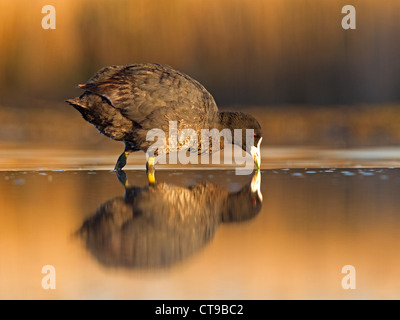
228 120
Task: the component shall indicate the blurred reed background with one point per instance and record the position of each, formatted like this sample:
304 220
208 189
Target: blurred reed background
287 61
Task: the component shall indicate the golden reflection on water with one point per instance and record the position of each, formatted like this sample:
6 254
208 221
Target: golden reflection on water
160 224
312 222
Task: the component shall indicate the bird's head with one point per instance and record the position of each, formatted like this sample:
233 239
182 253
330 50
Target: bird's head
250 125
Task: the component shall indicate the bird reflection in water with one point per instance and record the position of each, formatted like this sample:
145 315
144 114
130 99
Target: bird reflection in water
161 224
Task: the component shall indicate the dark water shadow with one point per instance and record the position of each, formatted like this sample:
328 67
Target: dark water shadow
161 224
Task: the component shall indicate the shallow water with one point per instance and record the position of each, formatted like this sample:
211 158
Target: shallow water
217 242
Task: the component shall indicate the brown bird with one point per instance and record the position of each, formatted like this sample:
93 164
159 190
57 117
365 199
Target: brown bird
125 102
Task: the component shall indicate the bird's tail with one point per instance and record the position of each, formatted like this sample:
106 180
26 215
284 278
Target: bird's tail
76 103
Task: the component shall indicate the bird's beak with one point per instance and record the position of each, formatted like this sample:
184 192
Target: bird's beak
256 154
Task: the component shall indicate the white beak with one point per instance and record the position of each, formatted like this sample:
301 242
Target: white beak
256 154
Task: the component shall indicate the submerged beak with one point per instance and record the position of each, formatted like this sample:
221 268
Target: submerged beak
256 154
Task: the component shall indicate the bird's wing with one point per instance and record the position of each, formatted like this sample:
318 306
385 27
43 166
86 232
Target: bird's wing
138 90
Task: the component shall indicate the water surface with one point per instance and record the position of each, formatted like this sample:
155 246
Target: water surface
219 242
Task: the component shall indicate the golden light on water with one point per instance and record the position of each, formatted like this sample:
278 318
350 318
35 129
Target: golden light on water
309 227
